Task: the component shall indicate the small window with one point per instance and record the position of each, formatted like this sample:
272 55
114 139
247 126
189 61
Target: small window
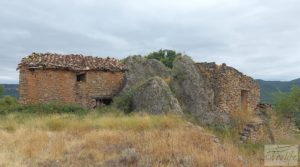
81 78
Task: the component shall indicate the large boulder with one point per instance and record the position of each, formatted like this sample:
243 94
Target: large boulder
194 92
141 69
155 97
191 88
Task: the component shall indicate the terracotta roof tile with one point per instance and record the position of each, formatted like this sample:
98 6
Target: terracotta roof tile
73 62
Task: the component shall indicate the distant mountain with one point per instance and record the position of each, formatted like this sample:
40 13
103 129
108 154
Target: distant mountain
11 90
268 88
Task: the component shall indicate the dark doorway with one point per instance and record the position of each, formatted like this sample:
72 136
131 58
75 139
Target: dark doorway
103 102
244 100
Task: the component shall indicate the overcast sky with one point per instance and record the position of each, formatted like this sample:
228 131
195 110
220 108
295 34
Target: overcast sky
261 38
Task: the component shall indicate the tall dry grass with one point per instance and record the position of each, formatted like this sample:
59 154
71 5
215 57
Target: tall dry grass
110 140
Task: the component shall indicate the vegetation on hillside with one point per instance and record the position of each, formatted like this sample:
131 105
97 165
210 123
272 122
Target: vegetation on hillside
288 104
1 90
68 135
53 135
166 56
7 103
107 138
11 90
270 88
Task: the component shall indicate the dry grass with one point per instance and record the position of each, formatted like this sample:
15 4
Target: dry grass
91 121
243 117
95 140
284 131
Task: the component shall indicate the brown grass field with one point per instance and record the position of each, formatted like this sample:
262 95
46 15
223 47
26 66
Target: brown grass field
54 140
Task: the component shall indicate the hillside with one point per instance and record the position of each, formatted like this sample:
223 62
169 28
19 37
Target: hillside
268 88
11 90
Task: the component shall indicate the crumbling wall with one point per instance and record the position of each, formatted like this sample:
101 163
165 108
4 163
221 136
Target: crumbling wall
102 84
46 85
228 84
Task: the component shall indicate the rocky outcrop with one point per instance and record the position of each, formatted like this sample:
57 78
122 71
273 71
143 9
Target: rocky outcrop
141 69
191 89
155 97
194 92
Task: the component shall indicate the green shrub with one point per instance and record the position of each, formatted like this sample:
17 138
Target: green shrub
8 104
1 90
288 104
8 101
167 57
124 101
50 108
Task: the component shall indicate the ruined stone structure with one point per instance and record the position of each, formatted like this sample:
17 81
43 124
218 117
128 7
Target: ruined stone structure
75 79
233 91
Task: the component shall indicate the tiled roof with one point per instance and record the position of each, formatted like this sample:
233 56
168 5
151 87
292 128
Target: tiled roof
73 62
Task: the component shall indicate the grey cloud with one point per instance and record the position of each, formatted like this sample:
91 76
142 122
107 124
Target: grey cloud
259 38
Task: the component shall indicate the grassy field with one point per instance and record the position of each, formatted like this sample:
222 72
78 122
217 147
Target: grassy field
110 139
53 135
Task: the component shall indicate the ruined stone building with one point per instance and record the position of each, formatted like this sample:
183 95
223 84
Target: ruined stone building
75 79
92 81
233 91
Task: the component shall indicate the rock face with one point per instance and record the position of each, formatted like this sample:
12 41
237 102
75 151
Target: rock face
155 97
140 69
194 92
207 91
190 87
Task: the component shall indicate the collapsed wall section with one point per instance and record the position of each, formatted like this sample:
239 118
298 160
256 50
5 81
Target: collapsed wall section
233 90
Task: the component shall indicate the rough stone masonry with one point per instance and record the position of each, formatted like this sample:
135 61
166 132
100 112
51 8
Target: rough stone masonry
233 91
75 79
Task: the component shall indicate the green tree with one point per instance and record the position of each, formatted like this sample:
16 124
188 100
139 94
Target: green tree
288 104
1 90
166 56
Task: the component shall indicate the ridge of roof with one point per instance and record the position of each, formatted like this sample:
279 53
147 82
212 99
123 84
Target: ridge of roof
72 62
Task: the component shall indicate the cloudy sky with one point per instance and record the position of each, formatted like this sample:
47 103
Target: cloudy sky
261 38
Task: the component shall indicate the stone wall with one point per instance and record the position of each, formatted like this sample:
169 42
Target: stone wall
233 91
46 85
